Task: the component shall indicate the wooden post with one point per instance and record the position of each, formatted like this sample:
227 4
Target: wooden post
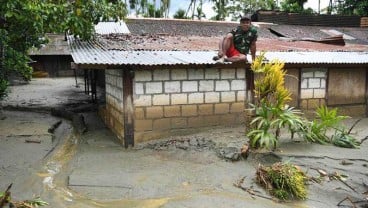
128 75
249 112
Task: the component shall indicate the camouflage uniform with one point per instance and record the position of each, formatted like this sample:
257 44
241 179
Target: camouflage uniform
242 40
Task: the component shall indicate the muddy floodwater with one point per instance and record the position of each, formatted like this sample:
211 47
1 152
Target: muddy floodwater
43 155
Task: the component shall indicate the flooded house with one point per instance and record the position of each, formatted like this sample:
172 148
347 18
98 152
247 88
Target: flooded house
160 78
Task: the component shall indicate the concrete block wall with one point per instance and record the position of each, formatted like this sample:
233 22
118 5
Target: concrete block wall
114 111
167 100
313 88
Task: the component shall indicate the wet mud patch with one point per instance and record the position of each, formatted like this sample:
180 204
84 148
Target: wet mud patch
228 152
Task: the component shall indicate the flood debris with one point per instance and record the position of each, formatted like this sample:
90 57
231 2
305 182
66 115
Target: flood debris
6 201
188 143
250 190
285 181
33 141
354 204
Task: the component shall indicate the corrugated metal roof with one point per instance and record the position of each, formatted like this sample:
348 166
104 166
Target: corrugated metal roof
93 53
319 57
104 28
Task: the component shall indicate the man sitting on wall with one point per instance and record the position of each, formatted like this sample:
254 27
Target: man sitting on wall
236 44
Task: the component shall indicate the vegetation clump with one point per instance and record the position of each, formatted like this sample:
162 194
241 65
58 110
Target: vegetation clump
273 114
283 180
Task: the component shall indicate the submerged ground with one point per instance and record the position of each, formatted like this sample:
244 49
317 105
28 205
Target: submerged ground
42 156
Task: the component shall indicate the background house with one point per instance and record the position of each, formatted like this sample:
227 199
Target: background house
160 78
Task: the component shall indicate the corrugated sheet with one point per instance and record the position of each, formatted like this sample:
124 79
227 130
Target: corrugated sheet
319 57
105 28
93 53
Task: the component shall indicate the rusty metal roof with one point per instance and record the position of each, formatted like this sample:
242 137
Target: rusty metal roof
319 57
105 28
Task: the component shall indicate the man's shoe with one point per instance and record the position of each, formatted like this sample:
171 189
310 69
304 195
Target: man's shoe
215 58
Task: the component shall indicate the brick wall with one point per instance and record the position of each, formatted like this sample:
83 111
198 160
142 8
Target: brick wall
113 114
186 99
313 88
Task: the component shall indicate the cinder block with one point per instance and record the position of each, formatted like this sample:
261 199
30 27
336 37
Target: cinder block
307 74
189 110
222 108
319 93
153 87
320 74
211 74
304 84
313 103
314 83
304 104
206 86
154 112
227 73
161 124
177 99
238 85
143 125
172 111
139 113
306 93
228 119
195 74
196 98
227 96
161 74
237 107
205 109
190 86
143 75
119 82
240 96
212 120
222 85
143 100
196 122
179 74
139 88
323 83
178 123
162 99
212 97
172 86
240 73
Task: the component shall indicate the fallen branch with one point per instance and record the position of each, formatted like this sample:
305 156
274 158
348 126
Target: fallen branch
32 141
5 199
346 198
249 190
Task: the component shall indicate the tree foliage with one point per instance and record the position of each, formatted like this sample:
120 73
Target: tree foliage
352 7
23 24
241 7
293 5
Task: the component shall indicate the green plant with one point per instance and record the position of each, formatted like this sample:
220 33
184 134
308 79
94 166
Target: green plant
283 180
272 113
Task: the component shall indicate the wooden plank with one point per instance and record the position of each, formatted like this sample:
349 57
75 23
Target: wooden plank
128 107
346 86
